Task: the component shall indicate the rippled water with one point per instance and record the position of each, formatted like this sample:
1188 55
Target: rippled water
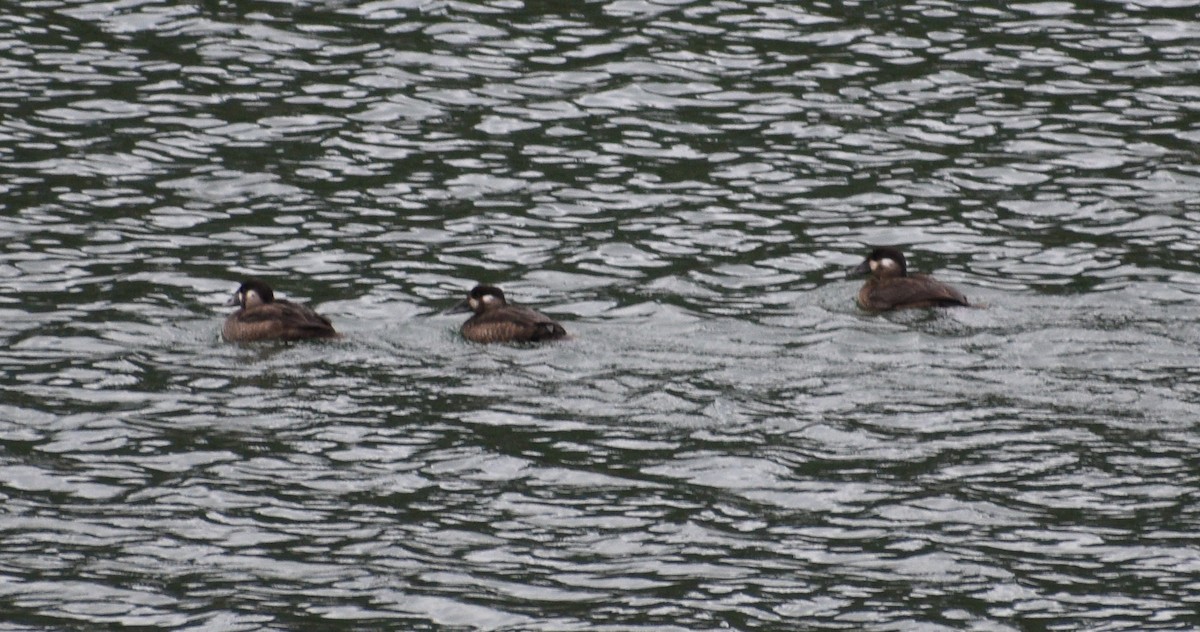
726 442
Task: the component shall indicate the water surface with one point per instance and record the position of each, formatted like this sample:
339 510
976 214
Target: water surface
726 442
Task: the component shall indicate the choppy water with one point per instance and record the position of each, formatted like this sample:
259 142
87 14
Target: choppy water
726 442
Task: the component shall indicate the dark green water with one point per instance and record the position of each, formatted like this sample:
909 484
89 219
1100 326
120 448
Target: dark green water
727 442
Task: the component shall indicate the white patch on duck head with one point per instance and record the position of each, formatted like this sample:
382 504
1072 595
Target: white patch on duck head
488 299
888 264
250 298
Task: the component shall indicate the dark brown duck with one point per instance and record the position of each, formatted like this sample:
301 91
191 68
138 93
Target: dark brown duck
261 317
890 286
495 320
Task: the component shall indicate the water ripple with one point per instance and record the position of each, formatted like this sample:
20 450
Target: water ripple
725 441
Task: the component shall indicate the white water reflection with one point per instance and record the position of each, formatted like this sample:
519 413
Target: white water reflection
725 441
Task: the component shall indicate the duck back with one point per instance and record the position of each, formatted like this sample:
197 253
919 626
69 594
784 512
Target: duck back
511 323
278 320
913 291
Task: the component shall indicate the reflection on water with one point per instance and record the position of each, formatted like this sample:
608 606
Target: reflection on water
725 442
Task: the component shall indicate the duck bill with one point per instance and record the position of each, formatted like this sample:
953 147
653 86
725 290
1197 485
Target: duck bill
862 269
460 308
233 300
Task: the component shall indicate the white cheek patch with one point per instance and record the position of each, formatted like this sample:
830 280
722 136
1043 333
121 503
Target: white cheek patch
489 299
251 298
473 302
887 264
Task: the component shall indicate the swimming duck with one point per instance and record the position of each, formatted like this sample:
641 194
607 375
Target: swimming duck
891 287
497 321
261 317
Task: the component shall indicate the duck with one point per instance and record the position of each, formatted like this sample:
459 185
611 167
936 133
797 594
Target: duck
261 317
890 286
496 320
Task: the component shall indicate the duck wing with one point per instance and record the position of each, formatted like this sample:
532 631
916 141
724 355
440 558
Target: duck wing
285 320
916 291
512 323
